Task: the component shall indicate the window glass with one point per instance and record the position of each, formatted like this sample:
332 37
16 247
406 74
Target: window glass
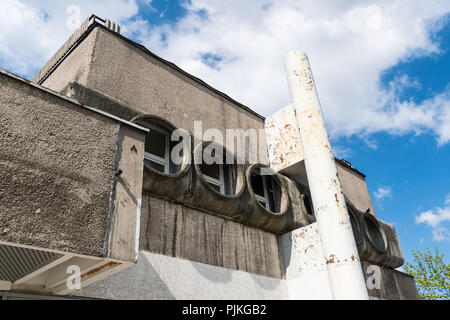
257 184
270 193
267 191
155 143
222 177
230 174
212 170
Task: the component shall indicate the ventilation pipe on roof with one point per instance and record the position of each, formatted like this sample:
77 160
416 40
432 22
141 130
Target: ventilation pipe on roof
112 26
338 243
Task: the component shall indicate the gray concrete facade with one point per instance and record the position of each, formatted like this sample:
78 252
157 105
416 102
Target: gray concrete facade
177 231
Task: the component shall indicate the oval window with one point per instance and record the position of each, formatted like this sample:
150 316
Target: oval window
267 189
218 168
167 150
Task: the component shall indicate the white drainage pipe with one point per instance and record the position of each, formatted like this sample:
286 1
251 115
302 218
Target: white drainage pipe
338 242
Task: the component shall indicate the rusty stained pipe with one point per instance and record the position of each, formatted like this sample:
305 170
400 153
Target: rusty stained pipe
338 243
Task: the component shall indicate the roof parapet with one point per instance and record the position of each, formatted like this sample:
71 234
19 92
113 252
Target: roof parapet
70 44
84 31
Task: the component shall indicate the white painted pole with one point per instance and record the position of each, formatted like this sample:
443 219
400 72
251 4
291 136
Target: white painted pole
338 242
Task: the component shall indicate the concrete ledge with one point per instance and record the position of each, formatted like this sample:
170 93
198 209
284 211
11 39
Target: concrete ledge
158 277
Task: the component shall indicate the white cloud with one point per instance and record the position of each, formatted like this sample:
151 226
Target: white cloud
383 192
32 31
438 220
349 44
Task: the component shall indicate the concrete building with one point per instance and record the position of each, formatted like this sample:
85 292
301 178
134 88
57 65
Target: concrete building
88 185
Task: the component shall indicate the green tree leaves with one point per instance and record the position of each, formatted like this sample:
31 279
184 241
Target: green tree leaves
431 273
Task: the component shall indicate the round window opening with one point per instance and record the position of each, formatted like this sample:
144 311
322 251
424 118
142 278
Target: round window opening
219 169
166 148
374 234
267 189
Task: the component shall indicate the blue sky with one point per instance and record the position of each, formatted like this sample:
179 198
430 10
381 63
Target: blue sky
413 167
381 69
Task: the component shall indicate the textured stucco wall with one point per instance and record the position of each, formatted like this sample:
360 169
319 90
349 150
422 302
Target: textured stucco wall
75 67
178 231
56 170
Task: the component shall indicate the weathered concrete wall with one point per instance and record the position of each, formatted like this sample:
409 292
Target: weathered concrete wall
178 231
123 242
125 72
286 156
355 188
75 67
306 269
353 184
377 241
57 162
158 277
394 284
92 97
118 69
188 189
283 138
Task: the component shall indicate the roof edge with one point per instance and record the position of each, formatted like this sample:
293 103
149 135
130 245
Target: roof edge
81 33
175 67
76 102
346 165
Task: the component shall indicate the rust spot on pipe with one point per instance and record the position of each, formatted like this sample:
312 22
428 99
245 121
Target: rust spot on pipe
309 247
332 259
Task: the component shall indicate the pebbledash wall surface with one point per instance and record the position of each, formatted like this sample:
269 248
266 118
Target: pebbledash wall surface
86 180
